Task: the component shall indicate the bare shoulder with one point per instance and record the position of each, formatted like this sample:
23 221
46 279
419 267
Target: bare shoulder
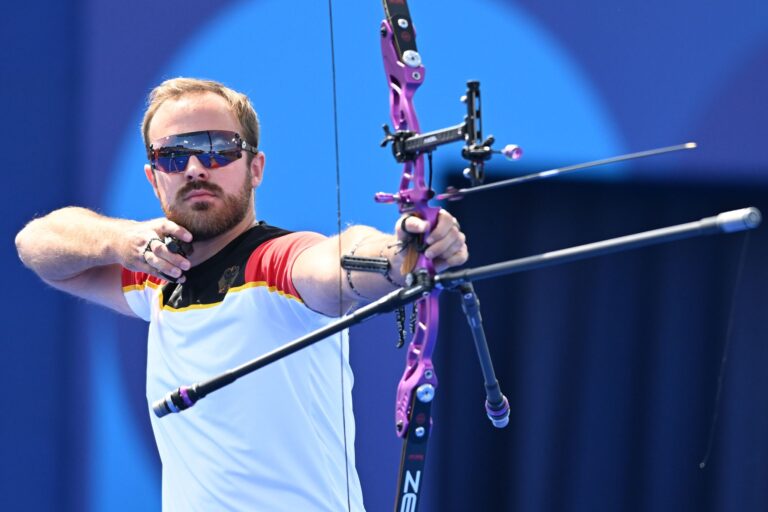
315 276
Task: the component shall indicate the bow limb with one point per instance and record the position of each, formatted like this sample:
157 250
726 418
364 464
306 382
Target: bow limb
405 74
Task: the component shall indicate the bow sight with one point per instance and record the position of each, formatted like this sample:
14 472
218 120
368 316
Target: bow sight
408 145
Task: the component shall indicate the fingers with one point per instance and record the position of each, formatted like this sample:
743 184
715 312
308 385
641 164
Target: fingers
410 225
150 254
447 227
161 260
459 257
168 227
446 244
448 251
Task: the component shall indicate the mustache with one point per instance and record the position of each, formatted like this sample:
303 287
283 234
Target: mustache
198 185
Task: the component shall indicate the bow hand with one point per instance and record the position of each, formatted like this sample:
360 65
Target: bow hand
445 245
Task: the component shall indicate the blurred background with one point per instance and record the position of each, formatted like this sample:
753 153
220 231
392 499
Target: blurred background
611 365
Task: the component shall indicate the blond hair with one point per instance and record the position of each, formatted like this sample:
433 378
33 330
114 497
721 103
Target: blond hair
175 88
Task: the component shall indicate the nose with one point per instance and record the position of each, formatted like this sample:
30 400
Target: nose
195 170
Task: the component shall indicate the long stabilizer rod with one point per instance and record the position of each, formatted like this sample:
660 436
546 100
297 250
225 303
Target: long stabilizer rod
185 397
727 222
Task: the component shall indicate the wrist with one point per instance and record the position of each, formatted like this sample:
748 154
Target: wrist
394 252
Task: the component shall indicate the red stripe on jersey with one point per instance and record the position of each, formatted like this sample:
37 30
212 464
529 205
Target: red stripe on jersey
131 278
272 262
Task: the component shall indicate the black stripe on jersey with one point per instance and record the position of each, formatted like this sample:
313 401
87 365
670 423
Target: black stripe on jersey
209 282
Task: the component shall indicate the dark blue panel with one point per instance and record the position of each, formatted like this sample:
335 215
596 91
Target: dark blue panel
39 87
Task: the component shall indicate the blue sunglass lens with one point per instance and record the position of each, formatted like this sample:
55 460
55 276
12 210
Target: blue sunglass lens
212 148
218 158
174 162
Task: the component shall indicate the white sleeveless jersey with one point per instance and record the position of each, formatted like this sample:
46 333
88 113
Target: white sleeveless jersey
280 439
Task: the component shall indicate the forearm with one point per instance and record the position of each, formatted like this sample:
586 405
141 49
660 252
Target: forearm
364 242
70 241
328 288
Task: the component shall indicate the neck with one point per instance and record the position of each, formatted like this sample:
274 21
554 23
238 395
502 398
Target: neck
209 248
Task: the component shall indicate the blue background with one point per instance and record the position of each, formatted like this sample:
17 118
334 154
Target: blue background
565 82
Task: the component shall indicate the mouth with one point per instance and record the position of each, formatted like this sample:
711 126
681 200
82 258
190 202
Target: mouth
199 194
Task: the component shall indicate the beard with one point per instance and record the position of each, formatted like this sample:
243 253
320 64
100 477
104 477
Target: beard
201 218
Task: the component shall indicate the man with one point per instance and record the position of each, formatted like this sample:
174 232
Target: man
281 438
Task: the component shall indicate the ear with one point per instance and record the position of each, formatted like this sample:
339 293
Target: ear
257 168
149 172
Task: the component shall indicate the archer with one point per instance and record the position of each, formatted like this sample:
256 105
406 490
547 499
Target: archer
219 287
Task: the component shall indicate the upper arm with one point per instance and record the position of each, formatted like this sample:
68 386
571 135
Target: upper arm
312 263
101 285
322 283
317 277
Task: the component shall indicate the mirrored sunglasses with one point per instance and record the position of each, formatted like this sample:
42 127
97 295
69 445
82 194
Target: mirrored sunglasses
213 148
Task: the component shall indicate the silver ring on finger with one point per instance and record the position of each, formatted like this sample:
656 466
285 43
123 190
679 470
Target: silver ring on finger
148 248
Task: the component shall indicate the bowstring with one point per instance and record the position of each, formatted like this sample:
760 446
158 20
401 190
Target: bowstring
338 229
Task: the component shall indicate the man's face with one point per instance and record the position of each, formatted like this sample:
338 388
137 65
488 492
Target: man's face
207 202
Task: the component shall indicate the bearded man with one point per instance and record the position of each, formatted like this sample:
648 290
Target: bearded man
219 288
